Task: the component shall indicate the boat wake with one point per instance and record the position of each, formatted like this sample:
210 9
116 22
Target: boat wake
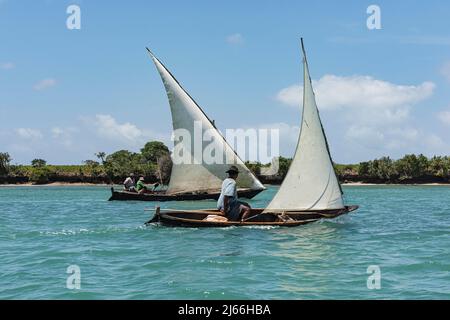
344 219
81 231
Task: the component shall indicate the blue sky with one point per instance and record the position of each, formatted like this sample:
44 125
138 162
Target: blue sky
65 94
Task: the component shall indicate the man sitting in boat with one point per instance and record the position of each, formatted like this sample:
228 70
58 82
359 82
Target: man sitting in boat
228 202
142 188
129 183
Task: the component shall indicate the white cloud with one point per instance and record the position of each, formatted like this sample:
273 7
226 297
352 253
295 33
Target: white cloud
367 92
436 142
444 117
358 142
64 135
364 135
291 96
368 107
108 127
7 65
45 84
128 133
29 134
411 134
72 143
373 116
403 138
445 70
370 141
235 39
57 132
334 92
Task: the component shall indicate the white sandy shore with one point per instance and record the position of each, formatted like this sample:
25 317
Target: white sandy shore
393 184
56 184
352 184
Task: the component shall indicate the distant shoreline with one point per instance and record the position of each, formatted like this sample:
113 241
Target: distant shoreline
56 184
82 184
393 184
409 170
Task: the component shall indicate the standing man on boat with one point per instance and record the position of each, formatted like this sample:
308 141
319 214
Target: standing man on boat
129 183
228 202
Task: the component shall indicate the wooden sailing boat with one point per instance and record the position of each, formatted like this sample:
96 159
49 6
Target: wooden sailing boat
196 179
310 190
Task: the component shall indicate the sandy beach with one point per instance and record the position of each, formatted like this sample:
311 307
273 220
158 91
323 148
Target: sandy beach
55 184
79 184
353 184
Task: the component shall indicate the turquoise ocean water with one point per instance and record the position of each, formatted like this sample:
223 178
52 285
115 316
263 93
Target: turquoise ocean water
404 230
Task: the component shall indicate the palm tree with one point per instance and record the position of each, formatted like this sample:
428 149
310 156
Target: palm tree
101 155
5 159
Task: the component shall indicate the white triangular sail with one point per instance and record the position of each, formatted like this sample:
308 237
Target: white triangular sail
198 174
311 183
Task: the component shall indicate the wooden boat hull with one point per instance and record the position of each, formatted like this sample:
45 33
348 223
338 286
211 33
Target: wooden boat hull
194 218
161 196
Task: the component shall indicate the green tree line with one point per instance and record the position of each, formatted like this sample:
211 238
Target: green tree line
153 161
409 167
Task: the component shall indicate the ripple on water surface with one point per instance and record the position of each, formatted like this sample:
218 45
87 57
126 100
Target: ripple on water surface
403 230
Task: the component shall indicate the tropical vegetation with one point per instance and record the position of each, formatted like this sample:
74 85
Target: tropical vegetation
154 163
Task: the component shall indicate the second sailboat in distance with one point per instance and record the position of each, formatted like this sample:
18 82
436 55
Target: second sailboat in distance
195 179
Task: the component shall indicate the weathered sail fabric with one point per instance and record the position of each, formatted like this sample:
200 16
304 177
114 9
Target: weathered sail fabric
311 182
191 172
